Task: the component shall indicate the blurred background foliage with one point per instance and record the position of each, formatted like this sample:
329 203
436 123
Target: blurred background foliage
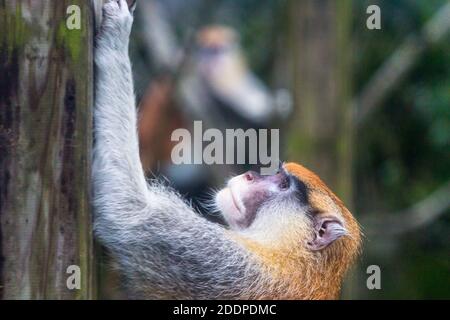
400 152
403 151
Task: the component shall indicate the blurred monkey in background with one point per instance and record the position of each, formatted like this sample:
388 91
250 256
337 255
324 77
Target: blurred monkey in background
224 72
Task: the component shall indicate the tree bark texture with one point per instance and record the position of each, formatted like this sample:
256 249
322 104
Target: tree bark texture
46 100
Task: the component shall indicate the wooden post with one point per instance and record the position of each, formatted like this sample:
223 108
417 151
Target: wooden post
46 100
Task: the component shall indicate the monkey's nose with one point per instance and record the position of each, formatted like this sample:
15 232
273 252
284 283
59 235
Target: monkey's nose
251 175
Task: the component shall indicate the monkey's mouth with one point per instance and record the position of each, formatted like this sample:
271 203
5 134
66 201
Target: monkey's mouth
235 203
230 207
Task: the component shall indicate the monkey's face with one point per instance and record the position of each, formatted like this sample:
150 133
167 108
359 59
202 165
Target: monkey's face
293 205
245 195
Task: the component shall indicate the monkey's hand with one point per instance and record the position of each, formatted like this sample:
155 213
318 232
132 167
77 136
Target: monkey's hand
116 26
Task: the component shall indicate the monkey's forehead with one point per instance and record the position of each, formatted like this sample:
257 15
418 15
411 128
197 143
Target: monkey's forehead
305 175
318 191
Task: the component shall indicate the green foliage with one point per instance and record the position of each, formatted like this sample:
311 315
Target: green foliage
403 149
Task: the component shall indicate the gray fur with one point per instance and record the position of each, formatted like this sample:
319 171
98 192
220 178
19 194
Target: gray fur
163 248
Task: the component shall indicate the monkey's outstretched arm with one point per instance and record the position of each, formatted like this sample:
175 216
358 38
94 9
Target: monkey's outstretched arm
119 181
164 248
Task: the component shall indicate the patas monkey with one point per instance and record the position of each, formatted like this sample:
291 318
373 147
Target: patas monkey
289 236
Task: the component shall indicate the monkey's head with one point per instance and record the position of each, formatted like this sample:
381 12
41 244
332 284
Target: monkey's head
292 211
216 38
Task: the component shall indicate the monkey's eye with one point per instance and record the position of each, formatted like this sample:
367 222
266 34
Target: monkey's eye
284 185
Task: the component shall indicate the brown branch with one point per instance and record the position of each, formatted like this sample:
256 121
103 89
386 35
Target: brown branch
393 71
417 216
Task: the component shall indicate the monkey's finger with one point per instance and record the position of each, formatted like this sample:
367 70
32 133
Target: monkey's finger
123 4
132 5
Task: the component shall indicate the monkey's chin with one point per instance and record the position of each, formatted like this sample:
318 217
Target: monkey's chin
229 207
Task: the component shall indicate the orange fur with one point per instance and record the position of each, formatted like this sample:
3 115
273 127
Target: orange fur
215 36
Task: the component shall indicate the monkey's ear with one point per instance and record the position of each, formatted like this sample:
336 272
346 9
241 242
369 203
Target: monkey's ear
326 231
